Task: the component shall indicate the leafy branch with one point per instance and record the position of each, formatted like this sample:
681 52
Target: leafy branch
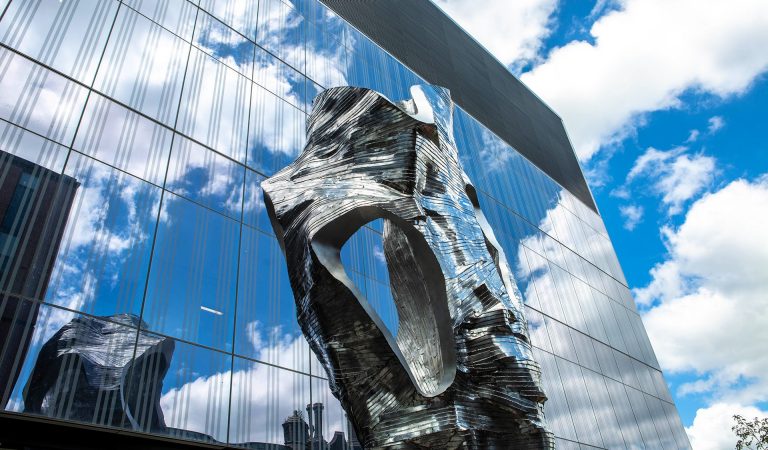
752 434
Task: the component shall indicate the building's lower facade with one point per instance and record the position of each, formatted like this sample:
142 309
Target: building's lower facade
144 299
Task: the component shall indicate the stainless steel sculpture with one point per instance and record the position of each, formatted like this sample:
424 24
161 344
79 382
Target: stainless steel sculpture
460 372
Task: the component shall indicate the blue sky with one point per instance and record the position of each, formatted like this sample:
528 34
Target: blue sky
666 103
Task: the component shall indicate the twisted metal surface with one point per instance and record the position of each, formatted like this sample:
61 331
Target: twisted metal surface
460 372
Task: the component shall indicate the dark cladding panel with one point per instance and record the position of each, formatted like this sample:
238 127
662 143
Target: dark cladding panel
421 36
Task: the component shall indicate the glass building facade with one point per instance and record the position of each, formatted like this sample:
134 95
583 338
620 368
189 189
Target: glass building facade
142 286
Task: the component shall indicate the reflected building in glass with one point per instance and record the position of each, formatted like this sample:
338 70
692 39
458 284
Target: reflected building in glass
145 298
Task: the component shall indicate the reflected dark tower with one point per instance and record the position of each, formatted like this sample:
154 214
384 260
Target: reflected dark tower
315 416
34 206
354 444
296 432
300 435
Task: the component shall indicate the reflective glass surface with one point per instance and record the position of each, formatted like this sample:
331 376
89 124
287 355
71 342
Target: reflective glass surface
134 239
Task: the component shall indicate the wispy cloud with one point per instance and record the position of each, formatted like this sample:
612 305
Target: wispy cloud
675 175
632 214
715 124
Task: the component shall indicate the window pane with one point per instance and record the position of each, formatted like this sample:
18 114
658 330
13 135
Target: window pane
537 330
102 263
240 15
214 106
178 16
280 79
68 36
556 408
194 387
254 211
263 398
37 99
624 414
579 404
124 139
276 133
643 418
326 60
335 425
281 30
143 67
224 44
34 206
584 350
191 292
267 329
67 366
206 177
31 147
603 408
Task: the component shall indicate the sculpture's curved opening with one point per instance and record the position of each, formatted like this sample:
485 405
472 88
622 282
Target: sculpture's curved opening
425 344
363 259
420 309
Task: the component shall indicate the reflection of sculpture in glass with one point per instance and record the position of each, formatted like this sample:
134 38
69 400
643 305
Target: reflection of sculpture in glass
88 369
460 372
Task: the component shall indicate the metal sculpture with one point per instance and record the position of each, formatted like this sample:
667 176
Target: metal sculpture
460 372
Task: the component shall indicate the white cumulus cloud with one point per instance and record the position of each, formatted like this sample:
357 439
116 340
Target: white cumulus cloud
711 429
643 56
706 309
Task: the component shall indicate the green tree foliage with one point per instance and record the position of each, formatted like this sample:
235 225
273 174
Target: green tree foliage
752 434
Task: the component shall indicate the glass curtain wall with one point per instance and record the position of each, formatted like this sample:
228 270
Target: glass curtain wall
142 287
